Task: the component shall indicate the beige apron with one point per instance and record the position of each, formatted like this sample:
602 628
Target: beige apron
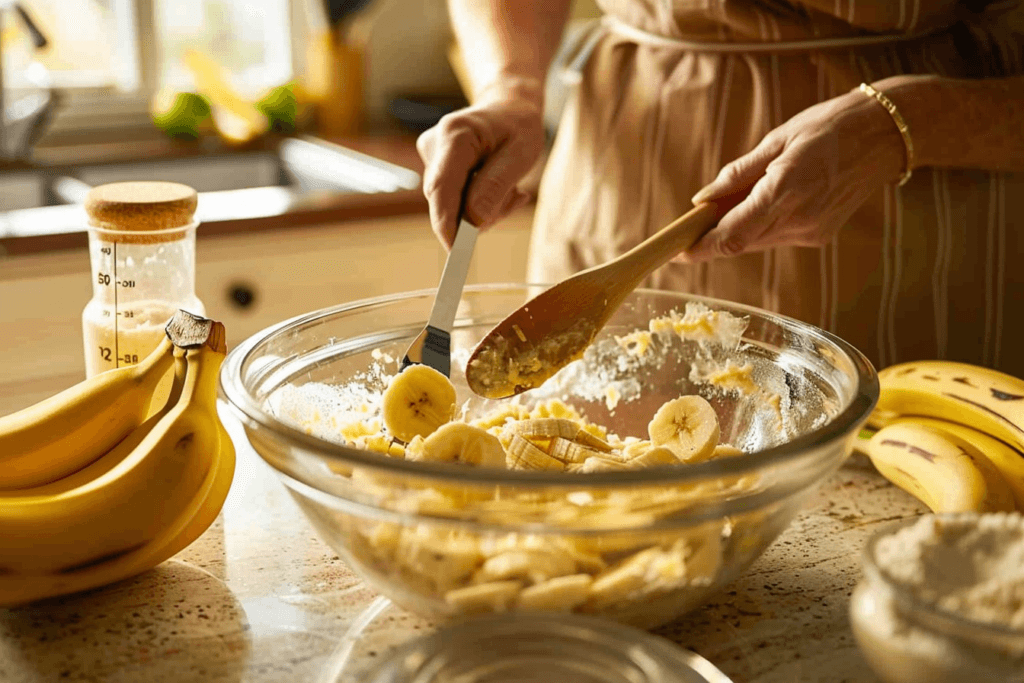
674 89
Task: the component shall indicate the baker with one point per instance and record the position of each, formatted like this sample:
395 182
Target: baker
890 213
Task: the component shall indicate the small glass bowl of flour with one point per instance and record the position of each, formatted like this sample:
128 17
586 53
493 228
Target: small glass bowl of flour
942 599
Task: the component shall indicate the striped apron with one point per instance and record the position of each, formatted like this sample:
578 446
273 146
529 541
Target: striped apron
670 90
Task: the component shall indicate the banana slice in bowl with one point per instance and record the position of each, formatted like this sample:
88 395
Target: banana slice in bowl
417 401
458 442
687 426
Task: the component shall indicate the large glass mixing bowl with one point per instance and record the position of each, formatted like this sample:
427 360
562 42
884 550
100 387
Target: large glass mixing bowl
640 546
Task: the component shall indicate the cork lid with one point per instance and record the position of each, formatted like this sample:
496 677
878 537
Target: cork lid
142 207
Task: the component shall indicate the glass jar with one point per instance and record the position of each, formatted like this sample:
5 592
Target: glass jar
142 247
906 640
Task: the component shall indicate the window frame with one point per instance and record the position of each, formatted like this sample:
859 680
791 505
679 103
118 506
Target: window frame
87 109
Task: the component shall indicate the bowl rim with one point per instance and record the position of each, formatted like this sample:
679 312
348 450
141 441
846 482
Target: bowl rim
847 422
947 620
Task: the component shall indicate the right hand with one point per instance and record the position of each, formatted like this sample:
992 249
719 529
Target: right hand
503 136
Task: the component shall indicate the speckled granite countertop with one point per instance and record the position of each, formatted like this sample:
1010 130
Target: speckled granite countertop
260 598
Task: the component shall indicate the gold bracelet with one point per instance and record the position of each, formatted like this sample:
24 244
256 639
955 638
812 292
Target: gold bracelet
900 124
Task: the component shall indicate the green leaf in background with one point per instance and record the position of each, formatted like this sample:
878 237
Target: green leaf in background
180 114
280 107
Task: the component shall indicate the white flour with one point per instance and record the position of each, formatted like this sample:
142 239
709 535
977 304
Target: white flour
973 566
970 565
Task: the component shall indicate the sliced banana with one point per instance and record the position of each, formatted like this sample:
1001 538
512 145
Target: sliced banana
448 559
653 569
623 581
560 594
704 555
569 451
484 597
523 455
658 456
417 401
384 539
602 463
458 442
639 454
545 428
534 566
586 438
724 450
688 426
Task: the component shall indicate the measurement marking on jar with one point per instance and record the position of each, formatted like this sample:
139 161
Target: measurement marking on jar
117 356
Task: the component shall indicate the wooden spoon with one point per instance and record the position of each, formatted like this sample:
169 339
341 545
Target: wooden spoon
555 327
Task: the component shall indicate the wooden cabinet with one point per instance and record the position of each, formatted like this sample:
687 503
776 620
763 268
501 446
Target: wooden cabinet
247 281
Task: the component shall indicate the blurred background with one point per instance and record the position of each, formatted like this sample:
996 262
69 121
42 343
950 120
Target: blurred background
235 68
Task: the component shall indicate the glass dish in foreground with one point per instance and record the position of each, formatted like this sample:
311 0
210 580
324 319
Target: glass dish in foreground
641 547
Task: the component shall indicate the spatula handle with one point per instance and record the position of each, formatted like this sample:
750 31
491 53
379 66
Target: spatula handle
453 278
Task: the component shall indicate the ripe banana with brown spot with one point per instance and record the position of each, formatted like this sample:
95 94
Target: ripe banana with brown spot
1008 460
984 399
944 472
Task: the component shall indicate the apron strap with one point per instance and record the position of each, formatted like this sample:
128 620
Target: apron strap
589 39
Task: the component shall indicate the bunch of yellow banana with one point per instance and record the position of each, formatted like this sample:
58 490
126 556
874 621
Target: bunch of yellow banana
92 491
951 435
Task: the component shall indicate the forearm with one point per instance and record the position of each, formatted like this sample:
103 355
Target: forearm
507 45
962 123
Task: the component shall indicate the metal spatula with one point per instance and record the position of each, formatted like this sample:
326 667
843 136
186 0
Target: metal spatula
433 345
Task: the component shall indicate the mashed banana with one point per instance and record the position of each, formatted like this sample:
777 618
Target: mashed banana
608 556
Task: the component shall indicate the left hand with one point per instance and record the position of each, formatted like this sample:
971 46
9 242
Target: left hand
808 176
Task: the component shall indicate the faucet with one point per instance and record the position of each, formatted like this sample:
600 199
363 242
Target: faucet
23 121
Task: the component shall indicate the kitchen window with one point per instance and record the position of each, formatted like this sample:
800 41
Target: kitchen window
108 57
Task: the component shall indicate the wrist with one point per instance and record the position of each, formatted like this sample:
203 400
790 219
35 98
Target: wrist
917 98
510 86
885 130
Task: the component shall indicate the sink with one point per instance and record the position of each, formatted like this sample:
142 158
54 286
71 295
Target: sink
231 185
302 164
22 190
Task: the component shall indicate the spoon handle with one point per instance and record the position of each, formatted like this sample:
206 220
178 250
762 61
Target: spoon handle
677 236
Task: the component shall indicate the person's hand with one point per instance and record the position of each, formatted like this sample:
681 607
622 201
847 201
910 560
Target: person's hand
501 136
808 176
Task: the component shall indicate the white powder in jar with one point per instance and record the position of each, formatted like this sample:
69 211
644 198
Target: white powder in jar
971 565
968 565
